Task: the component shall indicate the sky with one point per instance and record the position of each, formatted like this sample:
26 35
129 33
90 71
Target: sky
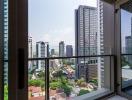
125 26
53 20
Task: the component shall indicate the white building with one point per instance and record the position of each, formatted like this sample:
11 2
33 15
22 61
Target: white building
103 43
30 52
42 50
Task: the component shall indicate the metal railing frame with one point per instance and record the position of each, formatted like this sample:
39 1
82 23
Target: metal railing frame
46 59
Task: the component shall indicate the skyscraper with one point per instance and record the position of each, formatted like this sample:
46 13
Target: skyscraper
4 35
61 49
128 44
128 40
104 44
86 41
100 43
52 52
69 51
30 52
42 50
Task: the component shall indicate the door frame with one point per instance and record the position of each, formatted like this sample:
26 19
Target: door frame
118 47
1 52
18 49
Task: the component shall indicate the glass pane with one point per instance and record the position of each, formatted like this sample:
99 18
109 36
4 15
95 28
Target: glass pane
126 29
127 74
36 80
126 40
67 28
66 82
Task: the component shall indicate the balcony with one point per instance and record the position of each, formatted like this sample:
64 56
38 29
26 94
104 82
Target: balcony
61 78
93 77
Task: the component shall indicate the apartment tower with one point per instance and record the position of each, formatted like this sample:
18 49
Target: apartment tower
42 50
86 42
61 49
69 50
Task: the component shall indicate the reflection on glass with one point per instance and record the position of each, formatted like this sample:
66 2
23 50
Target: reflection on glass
127 74
126 41
126 29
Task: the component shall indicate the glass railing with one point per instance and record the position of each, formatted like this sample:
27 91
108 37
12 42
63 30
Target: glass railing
64 78
127 73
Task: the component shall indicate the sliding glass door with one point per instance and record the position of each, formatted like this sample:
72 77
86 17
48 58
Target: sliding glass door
55 50
126 47
64 41
17 52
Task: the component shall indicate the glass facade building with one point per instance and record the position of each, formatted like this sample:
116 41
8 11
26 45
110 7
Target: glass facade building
86 40
5 35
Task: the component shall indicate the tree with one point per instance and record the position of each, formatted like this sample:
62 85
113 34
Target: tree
38 83
54 85
41 75
67 89
80 81
58 73
82 91
124 61
65 86
5 92
95 81
63 80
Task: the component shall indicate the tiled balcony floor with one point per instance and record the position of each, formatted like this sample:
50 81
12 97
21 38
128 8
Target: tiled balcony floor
117 98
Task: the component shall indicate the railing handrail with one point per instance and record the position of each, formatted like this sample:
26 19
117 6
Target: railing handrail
70 57
127 54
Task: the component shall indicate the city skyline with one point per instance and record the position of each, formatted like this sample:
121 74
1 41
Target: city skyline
58 28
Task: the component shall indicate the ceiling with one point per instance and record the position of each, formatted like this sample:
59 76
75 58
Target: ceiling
127 6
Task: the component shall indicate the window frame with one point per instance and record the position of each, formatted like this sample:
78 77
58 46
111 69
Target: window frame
16 20
18 33
118 47
1 52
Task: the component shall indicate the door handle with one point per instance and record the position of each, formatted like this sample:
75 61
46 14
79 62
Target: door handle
21 68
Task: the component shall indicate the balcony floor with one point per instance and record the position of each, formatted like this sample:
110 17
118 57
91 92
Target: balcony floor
117 98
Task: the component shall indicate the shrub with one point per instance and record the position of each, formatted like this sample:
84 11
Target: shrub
81 92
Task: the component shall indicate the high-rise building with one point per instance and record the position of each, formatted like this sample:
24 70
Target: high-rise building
69 50
46 49
128 50
52 52
61 49
128 44
42 50
104 44
30 52
100 43
4 32
86 40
